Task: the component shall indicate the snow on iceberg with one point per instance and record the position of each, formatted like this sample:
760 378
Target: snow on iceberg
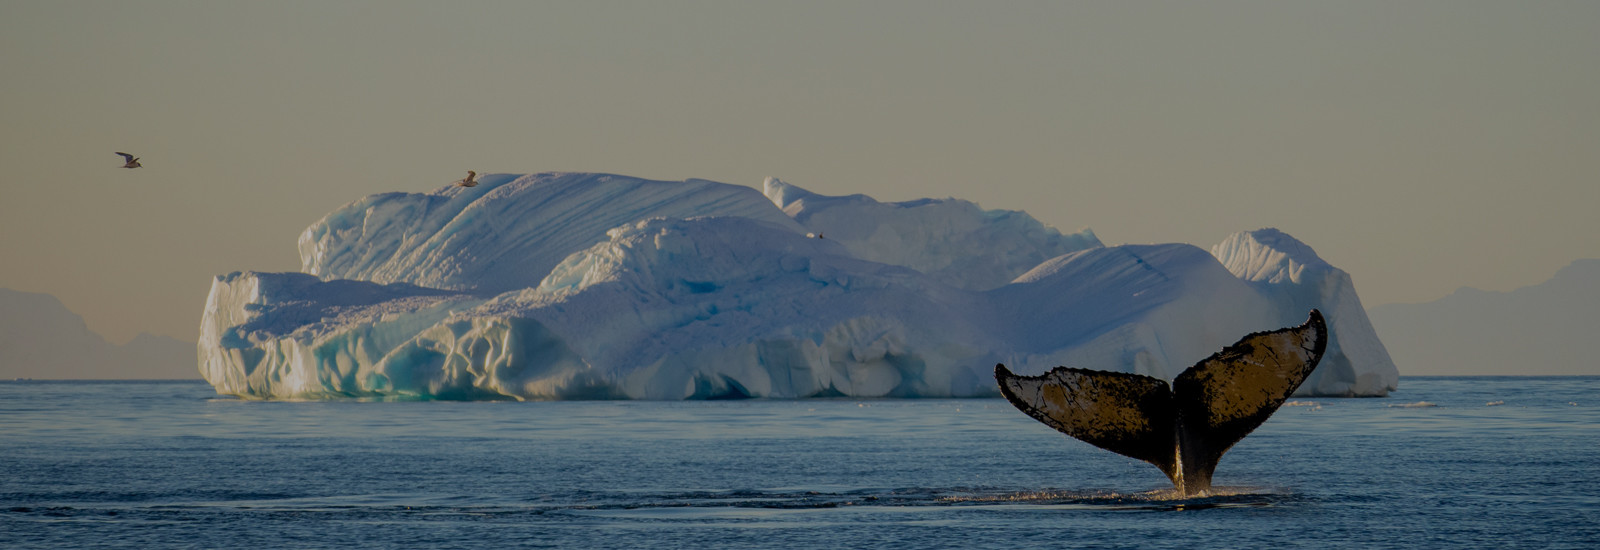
506 232
702 290
951 240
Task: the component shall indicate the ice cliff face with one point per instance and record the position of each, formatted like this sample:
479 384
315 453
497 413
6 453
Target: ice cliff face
294 336
562 286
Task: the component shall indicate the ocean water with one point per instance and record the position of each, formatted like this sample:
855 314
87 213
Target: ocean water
1443 462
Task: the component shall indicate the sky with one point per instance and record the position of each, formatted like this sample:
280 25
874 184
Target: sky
1420 146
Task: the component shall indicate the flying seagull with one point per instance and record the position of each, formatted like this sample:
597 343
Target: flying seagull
470 181
132 162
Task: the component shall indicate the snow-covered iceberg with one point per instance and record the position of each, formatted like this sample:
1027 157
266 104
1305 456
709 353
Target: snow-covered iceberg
570 286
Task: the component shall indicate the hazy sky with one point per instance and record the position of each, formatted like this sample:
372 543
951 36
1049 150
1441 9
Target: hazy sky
1420 146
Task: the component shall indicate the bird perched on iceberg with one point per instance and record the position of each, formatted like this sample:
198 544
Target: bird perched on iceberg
469 181
132 162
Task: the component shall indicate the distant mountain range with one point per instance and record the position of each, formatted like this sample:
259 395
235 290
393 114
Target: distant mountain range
1545 329
41 339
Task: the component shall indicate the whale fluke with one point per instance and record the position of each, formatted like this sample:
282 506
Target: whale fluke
1184 429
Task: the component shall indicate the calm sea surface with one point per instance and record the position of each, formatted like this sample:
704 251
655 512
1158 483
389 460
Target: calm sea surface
172 465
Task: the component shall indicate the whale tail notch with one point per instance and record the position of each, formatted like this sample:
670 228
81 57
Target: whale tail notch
1183 429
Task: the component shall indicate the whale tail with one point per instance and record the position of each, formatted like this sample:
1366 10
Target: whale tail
1184 429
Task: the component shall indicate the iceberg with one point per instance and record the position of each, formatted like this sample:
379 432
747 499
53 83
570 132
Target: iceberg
596 286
